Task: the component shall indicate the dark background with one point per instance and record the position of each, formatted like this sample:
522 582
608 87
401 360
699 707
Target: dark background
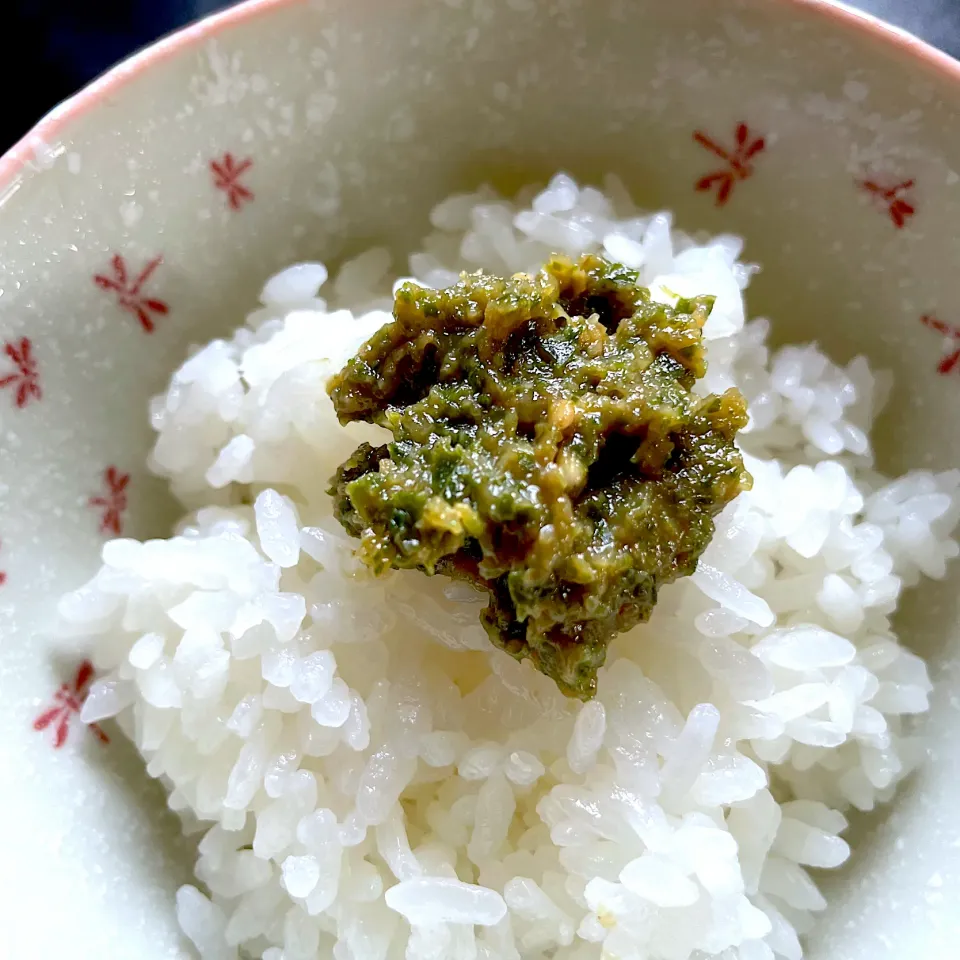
69 42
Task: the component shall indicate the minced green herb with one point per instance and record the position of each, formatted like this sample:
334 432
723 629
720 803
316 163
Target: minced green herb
547 448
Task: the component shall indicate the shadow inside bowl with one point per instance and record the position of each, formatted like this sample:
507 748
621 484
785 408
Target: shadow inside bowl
135 805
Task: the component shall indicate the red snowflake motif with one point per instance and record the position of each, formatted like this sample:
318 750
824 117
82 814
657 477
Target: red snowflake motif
3 575
738 165
67 702
130 297
226 177
899 208
951 358
24 380
114 501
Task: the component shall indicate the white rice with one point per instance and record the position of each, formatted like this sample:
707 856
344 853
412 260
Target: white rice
374 780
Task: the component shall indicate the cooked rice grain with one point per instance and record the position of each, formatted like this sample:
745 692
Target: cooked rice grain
376 781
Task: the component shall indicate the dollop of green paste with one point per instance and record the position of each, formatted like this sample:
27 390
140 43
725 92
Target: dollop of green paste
547 448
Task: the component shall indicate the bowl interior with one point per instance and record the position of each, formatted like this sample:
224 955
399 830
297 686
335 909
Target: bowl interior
148 220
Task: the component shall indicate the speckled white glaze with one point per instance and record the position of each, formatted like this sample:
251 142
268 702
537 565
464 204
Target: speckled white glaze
356 116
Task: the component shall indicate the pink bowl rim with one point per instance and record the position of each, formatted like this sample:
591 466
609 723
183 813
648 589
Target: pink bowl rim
49 128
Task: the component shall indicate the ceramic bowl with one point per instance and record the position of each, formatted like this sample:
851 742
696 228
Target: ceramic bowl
143 215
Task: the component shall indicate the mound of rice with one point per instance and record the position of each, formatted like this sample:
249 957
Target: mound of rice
374 780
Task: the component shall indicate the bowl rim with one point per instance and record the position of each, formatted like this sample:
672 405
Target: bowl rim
15 162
